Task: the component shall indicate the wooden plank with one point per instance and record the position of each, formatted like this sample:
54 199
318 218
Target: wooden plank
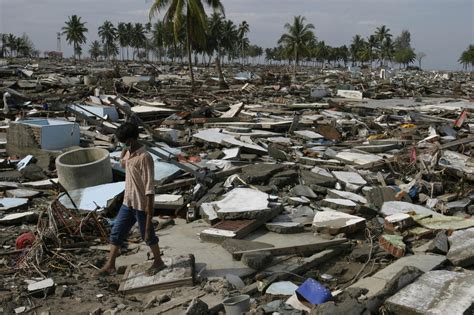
457 142
291 250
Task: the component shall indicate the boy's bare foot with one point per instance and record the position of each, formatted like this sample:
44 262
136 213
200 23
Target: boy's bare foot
106 272
155 268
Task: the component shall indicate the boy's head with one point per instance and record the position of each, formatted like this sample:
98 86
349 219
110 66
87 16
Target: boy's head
127 133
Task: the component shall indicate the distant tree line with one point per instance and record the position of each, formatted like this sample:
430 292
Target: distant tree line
131 41
299 44
17 46
467 57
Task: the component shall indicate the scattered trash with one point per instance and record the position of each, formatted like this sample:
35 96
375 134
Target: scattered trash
360 178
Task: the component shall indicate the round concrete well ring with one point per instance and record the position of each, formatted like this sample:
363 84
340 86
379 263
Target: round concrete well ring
84 167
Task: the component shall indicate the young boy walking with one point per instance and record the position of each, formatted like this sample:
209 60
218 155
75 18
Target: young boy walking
138 201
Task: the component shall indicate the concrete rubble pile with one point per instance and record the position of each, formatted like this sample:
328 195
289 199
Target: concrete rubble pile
347 192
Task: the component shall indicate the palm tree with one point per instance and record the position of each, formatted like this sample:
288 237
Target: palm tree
191 13
298 39
371 45
78 51
11 44
244 28
138 38
129 30
381 33
4 39
23 47
356 47
122 37
221 36
108 34
384 43
158 38
95 50
467 57
386 50
75 33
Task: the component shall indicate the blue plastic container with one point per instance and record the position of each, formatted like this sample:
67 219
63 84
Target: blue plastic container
313 292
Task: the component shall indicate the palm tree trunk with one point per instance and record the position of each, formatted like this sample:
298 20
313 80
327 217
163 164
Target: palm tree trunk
295 64
188 46
222 84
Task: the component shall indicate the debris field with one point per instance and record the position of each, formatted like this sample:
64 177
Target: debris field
344 192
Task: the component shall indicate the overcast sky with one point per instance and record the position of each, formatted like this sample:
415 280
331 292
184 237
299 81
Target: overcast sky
440 28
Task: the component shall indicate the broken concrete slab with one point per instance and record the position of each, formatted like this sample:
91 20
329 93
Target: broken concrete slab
344 205
377 148
241 203
335 222
41 184
358 158
394 207
208 213
257 261
92 198
285 227
350 94
440 245
457 163
334 193
461 251
377 282
350 178
22 193
260 173
15 218
312 178
286 288
216 135
303 191
236 245
435 292
180 271
231 154
376 196
458 205
308 134
164 201
9 204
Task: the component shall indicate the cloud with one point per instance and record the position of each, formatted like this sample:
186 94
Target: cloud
369 22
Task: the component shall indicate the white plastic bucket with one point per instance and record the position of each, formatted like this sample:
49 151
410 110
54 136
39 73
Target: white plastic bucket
237 305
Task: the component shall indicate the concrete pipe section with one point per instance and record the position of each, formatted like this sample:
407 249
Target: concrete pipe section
84 168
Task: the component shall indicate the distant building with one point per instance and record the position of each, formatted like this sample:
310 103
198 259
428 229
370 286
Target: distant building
53 54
